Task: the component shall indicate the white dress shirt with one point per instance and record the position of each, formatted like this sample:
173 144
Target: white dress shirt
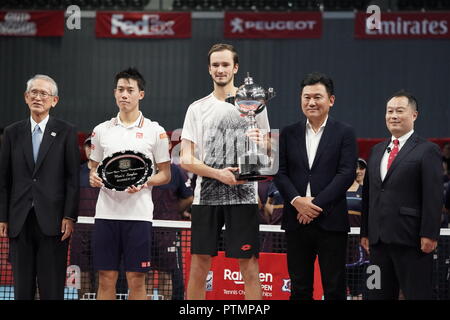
41 124
384 161
312 139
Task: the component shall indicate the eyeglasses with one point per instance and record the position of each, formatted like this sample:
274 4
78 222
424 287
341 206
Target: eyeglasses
44 95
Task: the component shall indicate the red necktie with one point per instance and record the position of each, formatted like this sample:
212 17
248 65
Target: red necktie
393 153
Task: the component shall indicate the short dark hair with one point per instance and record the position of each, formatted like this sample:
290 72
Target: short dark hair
361 163
221 47
131 73
317 77
412 101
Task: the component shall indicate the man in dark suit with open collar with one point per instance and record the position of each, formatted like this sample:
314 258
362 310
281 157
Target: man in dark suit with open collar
317 166
402 203
39 191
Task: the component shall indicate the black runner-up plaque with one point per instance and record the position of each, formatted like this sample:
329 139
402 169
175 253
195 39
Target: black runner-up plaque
125 169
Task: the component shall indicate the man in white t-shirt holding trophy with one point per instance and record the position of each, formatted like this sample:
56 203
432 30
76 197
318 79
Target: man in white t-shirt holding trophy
213 131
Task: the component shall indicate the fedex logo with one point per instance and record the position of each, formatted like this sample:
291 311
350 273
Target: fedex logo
150 24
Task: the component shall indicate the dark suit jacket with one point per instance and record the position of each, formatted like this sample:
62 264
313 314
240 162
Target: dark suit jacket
332 173
52 184
407 204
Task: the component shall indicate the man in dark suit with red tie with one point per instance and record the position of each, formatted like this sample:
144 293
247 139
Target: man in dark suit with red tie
402 203
317 166
39 191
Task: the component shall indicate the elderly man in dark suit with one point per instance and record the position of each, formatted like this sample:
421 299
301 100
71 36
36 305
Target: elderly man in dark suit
317 166
402 202
39 191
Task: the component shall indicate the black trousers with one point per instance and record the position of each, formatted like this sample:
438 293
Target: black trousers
401 267
38 258
303 245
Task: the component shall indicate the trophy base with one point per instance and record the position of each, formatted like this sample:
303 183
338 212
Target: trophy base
252 167
251 177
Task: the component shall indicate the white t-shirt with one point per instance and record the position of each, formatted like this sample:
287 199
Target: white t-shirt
144 136
218 131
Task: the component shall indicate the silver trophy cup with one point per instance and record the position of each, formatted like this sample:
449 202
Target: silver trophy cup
250 100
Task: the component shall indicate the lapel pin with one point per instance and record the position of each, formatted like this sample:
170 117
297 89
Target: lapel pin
53 134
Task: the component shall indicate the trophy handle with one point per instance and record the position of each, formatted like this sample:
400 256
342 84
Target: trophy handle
253 147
